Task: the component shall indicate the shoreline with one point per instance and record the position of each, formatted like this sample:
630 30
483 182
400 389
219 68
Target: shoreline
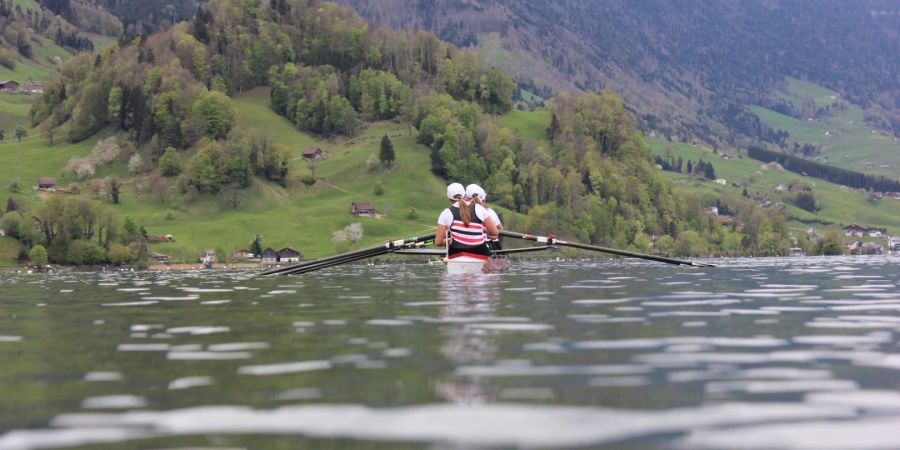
200 266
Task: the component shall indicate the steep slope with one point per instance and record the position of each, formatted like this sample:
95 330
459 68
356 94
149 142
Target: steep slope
686 68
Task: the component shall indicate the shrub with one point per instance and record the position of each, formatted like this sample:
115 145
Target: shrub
169 165
38 256
7 60
84 253
119 254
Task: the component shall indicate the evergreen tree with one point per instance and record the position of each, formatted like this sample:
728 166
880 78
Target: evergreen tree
256 246
553 129
386 154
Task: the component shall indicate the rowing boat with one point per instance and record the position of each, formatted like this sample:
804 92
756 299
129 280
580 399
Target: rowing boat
463 264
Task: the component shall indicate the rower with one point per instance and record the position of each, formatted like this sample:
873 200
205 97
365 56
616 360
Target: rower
476 194
466 224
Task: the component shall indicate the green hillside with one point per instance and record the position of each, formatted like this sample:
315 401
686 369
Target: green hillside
840 205
843 137
210 152
529 124
297 216
302 217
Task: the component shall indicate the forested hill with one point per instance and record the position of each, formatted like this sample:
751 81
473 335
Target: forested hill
686 68
163 102
136 16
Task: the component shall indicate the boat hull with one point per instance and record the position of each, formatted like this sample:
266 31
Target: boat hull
467 265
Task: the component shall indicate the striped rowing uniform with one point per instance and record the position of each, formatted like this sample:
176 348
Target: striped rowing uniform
466 240
494 244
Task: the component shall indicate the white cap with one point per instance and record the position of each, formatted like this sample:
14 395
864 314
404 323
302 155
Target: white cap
455 189
474 190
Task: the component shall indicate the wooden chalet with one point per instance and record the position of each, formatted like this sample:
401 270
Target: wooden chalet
288 254
269 256
46 184
854 230
362 209
9 86
313 153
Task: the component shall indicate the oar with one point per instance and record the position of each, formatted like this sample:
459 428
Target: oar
320 264
330 263
354 255
361 252
554 241
422 251
522 250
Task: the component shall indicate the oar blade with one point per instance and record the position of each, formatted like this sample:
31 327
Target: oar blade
597 248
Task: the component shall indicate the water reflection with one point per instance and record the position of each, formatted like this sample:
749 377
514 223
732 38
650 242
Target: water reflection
467 296
758 353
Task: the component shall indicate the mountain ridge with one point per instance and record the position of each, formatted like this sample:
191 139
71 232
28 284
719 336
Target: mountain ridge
686 68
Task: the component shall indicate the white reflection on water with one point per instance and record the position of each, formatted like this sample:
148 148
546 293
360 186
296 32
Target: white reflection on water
494 425
663 339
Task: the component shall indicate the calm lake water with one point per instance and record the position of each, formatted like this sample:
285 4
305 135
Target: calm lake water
762 353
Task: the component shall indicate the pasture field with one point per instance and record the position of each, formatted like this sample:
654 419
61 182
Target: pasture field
299 216
840 205
529 124
846 141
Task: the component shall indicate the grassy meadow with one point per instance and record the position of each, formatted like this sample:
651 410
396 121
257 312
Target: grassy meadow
840 205
529 124
844 138
298 216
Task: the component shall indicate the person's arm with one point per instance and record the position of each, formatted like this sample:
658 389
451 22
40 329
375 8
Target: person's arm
443 223
491 227
439 235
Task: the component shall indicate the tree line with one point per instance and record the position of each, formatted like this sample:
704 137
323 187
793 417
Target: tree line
702 168
833 174
72 230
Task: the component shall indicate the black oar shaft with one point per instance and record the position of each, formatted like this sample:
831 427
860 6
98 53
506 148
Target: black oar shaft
596 248
316 261
521 250
349 256
331 263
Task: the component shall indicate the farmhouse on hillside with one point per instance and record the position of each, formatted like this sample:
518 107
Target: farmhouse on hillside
313 153
46 184
854 230
288 254
362 209
285 255
9 86
269 256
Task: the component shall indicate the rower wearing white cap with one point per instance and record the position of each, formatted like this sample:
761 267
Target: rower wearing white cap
467 224
476 194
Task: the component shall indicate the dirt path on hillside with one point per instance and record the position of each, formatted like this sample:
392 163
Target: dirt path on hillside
326 183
